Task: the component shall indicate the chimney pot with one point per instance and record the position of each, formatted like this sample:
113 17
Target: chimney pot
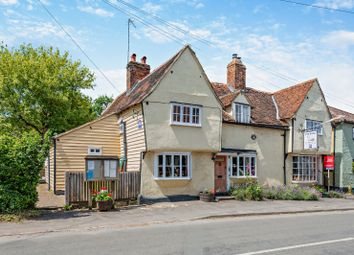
143 60
234 55
133 57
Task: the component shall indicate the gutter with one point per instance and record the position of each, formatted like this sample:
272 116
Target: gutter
257 125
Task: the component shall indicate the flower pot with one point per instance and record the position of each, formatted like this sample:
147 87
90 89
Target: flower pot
206 197
105 205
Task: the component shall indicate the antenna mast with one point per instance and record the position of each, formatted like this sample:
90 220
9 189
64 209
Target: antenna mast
130 22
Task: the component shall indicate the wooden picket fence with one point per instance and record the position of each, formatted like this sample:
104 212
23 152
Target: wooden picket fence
78 190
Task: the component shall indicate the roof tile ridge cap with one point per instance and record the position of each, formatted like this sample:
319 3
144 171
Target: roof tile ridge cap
262 91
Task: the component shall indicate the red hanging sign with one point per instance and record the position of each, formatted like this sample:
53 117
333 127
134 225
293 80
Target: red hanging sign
328 162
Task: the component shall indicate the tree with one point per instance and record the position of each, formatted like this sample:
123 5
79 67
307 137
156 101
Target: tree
41 90
100 104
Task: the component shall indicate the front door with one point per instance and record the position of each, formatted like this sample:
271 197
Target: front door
220 174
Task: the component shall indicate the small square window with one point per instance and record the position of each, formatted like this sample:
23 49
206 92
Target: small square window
94 151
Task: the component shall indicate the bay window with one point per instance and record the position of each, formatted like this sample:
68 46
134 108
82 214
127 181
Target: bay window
306 168
183 114
242 113
243 165
173 166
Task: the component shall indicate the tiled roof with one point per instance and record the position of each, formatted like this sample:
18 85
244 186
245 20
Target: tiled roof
348 117
290 99
263 110
141 89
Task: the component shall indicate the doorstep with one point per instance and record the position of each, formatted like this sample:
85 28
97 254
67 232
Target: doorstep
222 198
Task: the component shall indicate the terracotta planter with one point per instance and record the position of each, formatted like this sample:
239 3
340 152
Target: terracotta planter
105 205
206 197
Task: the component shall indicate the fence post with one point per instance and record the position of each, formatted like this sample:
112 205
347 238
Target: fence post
67 188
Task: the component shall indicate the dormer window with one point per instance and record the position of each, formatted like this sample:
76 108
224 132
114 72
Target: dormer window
242 113
185 115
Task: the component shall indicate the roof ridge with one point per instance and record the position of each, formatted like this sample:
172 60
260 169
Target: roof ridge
293 86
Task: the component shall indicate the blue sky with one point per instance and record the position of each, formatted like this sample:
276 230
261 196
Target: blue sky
275 39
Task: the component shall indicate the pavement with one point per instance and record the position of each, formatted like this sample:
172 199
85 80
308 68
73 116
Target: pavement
57 221
311 233
47 199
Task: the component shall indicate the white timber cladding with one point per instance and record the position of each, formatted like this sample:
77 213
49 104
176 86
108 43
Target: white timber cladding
72 147
135 137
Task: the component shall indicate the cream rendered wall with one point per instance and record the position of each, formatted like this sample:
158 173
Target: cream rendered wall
202 177
184 83
314 108
133 117
268 145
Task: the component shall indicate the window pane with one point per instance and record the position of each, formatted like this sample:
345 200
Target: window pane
248 166
97 173
113 168
168 166
234 166
195 116
176 165
186 114
177 113
253 166
241 167
106 168
184 166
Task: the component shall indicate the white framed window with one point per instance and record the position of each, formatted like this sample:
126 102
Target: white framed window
244 165
314 125
183 114
92 150
306 168
173 166
242 113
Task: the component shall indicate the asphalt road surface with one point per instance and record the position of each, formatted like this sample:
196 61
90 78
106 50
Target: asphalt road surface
317 233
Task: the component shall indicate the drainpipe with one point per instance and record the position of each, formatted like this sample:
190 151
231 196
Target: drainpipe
285 156
55 167
48 171
334 154
125 149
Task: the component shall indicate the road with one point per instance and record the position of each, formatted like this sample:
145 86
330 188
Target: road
316 233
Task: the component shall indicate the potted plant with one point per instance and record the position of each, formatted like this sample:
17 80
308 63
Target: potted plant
207 195
103 199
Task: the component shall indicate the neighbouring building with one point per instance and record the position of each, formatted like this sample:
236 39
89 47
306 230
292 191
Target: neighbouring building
343 148
186 134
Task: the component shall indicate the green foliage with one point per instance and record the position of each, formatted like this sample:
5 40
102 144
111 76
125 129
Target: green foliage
41 90
100 104
335 194
21 159
68 207
103 195
251 191
293 192
19 216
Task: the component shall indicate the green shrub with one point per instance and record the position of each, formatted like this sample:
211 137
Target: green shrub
248 192
21 159
335 194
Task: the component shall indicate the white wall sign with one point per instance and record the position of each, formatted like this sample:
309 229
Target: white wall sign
310 140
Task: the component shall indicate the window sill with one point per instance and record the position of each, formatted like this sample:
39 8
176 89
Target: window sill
172 179
186 125
304 182
243 177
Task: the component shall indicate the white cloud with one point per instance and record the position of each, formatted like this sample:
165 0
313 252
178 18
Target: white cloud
199 5
336 4
151 8
97 11
8 2
339 39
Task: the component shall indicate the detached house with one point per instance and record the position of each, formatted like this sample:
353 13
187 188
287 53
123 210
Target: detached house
186 134
343 148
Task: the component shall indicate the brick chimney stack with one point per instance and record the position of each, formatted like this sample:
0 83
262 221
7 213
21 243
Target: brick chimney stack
136 71
236 73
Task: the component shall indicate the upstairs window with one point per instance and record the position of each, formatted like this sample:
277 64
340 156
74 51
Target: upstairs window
242 113
94 151
188 115
313 125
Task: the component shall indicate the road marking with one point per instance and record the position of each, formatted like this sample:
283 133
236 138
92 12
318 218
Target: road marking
299 246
